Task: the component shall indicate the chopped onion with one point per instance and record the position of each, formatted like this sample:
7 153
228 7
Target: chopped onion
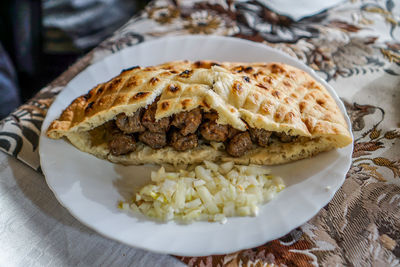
211 192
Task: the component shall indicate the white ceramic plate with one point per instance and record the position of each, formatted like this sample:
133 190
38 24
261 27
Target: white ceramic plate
90 188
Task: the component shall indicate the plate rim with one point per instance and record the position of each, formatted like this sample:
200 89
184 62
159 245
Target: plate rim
300 64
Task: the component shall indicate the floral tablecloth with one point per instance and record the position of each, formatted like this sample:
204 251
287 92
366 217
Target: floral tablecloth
355 46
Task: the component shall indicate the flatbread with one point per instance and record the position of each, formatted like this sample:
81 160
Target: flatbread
271 96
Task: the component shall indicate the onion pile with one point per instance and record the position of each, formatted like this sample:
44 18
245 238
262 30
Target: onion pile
209 192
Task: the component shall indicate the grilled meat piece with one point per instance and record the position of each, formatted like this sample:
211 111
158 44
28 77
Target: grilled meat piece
260 136
213 131
182 143
210 116
232 132
187 121
284 138
122 144
239 144
149 121
130 124
154 140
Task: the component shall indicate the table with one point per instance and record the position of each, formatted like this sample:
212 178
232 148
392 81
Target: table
354 46
35 230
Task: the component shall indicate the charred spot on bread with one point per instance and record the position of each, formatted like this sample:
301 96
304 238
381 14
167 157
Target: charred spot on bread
114 84
302 106
276 93
277 69
246 78
100 90
173 88
321 102
185 73
185 103
131 68
238 69
154 80
268 80
198 64
248 69
87 96
165 105
262 86
237 87
140 95
205 104
89 106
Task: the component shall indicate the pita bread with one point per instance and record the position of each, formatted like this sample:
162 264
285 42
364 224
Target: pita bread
271 96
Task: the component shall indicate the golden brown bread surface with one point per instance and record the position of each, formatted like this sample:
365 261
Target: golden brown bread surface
271 96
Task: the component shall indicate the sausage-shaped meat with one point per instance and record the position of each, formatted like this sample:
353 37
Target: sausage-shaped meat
149 121
213 131
260 136
122 144
154 140
232 132
284 138
210 116
239 144
182 143
130 124
187 121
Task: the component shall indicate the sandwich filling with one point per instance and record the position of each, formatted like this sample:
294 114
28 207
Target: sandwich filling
182 131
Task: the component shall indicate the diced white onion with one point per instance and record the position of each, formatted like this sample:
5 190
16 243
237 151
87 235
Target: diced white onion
211 192
226 167
210 165
207 199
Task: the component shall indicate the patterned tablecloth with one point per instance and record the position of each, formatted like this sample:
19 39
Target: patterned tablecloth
354 46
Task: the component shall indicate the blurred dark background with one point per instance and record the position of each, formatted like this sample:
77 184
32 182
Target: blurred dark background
39 39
